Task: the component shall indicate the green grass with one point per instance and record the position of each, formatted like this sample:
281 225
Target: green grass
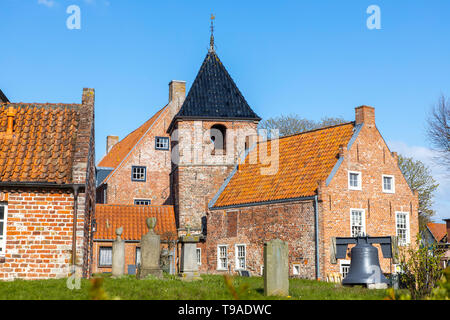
171 288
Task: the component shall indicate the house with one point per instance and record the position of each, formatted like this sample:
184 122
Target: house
236 189
437 234
132 218
47 188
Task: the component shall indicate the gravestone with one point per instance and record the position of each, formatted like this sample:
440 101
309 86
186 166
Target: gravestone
150 252
189 265
118 255
276 268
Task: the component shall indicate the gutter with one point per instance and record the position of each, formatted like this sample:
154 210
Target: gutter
316 236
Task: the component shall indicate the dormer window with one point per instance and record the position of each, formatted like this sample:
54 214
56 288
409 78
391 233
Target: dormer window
354 180
388 184
218 138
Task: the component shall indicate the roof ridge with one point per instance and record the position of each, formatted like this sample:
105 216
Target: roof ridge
36 104
133 205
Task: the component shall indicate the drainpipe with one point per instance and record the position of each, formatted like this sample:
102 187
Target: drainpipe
316 235
74 231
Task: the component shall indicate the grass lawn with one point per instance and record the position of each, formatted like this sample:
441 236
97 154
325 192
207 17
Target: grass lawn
170 288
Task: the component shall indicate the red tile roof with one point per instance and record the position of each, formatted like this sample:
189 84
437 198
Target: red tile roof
42 145
438 230
121 149
304 160
132 218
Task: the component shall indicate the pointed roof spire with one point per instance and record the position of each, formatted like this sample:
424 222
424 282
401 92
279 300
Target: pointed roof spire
211 40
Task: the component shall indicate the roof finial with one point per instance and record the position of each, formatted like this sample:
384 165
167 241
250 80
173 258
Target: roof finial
211 40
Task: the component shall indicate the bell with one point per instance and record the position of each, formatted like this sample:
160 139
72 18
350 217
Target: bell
365 265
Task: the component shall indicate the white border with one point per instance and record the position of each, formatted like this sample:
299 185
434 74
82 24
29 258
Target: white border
218 257
393 183
363 220
359 181
408 228
236 262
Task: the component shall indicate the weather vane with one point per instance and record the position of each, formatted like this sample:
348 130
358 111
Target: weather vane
211 41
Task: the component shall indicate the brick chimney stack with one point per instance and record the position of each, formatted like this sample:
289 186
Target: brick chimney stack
366 115
10 124
110 142
177 94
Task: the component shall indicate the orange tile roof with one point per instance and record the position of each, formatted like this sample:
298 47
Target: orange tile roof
132 218
42 146
121 149
304 160
438 230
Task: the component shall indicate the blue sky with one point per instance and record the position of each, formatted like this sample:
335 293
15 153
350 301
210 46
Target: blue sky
313 58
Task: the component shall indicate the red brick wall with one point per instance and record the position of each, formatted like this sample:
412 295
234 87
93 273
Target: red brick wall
370 156
122 190
39 235
292 222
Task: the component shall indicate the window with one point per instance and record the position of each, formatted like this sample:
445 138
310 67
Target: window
354 180
105 257
138 173
240 256
162 143
357 222
344 268
199 256
388 184
218 135
296 269
402 226
138 256
142 202
222 263
3 218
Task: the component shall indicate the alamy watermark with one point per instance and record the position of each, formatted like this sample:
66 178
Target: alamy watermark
73 22
374 20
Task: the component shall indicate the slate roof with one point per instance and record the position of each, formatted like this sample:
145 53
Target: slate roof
132 218
215 95
438 230
42 146
304 160
3 98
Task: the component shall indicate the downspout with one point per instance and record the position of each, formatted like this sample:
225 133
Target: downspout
74 229
316 235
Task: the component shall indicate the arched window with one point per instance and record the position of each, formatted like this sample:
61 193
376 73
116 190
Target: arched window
218 134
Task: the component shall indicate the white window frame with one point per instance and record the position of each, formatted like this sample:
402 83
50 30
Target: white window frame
142 200
3 237
342 264
219 265
293 269
198 256
236 251
408 228
359 187
393 183
363 216
162 143
138 256
100 256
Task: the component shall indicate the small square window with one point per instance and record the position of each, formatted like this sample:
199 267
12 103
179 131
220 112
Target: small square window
138 173
142 202
354 180
388 184
162 143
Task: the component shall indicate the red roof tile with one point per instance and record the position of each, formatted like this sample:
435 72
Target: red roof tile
42 145
132 218
438 230
304 160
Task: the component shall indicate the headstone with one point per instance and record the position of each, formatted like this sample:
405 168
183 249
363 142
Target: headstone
150 252
276 268
118 255
189 265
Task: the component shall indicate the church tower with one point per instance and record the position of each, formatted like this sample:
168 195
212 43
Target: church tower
209 135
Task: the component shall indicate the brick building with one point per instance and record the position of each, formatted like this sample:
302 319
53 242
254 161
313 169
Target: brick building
237 192
132 219
47 188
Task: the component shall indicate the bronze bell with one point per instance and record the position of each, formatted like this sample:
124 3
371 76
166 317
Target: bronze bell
365 266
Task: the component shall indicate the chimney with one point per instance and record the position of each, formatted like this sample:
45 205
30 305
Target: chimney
366 115
177 94
110 142
10 125
395 156
447 221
